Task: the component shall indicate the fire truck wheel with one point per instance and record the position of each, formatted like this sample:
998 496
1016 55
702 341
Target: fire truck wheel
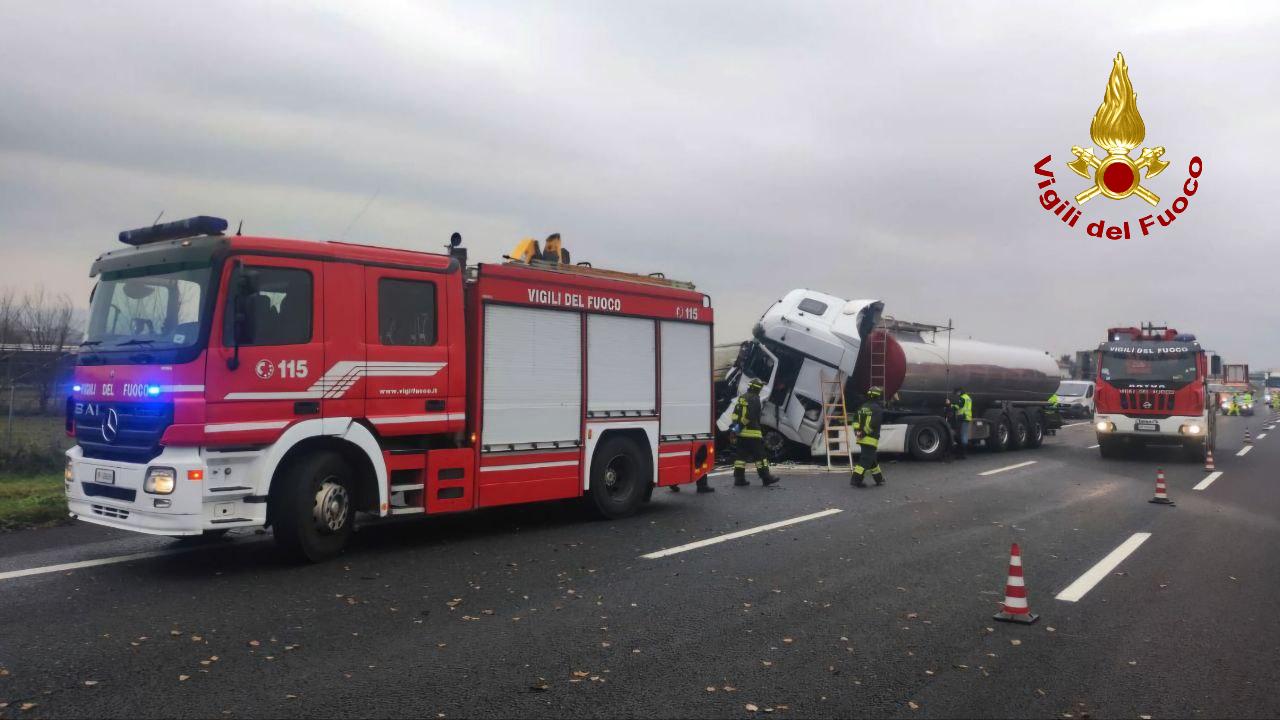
1196 451
311 507
1108 447
619 477
928 441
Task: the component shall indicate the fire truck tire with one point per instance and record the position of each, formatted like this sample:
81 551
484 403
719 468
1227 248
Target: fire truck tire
1035 431
1020 431
619 477
1108 447
1196 451
311 507
1001 434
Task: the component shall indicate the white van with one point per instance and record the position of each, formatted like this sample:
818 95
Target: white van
1075 398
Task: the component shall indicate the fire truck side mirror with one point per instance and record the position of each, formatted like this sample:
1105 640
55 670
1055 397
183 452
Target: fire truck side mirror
241 320
1215 365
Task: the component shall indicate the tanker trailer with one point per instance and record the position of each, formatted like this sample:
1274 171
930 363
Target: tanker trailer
809 345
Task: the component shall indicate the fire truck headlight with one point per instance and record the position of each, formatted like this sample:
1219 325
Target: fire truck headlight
1105 426
1191 429
69 473
160 481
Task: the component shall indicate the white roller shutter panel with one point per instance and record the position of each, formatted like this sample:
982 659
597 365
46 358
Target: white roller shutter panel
532 376
686 379
621 371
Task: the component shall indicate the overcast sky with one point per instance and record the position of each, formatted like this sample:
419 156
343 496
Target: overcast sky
866 150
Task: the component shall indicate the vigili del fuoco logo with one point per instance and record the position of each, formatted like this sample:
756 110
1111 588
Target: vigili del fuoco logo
1117 128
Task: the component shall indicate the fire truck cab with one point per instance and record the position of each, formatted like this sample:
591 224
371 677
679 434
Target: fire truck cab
232 381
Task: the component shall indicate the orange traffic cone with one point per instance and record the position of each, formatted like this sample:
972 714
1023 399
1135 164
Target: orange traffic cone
1162 497
1208 460
1015 608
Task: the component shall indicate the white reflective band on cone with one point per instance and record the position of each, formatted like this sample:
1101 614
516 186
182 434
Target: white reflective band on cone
1015 561
1016 581
1011 602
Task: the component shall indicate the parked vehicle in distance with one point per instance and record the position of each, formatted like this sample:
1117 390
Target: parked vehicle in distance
1075 398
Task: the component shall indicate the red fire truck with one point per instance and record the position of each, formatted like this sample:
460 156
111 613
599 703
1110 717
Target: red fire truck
1152 389
229 382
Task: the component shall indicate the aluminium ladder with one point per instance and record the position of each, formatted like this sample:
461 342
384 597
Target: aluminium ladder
836 433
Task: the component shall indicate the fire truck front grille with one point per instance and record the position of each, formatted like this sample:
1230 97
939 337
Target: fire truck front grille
109 491
133 430
1147 401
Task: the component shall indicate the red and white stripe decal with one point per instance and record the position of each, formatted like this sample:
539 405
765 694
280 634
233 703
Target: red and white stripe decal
342 376
528 466
428 418
245 426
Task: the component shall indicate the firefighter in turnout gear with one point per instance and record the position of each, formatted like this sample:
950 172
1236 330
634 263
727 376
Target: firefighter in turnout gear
866 427
747 439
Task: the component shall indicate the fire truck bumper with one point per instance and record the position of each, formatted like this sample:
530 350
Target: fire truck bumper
1181 428
116 494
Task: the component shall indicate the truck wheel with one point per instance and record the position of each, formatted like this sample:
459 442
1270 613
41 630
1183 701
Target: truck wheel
777 446
928 441
619 477
998 440
1108 448
1195 451
1020 431
1035 430
311 509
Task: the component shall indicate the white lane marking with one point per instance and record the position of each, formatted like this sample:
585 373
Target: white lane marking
1208 480
528 466
1244 450
1010 467
1086 422
1085 582
1092 447
741 533
719 473
1261 435
64 567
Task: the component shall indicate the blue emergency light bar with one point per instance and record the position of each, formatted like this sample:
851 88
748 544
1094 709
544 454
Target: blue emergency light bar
176 230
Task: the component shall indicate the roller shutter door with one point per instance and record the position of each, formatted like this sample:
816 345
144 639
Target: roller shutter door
621 371
686 379
532 376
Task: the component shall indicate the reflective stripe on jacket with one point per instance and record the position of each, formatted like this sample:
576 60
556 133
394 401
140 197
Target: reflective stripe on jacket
743 415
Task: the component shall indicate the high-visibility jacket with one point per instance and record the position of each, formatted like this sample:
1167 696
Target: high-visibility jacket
747 414
1053 399
866 423
964 408
1248 398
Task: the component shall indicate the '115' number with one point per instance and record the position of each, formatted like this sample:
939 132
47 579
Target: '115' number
293 368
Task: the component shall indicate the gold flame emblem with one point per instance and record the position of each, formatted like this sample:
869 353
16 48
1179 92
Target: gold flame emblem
1118 128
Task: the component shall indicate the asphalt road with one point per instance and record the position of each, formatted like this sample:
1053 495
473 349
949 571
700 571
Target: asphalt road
880 609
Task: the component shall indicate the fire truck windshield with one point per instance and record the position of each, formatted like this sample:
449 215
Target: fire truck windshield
149 312
1125 368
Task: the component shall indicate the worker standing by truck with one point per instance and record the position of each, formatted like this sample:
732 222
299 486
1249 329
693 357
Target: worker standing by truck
963 405
866 426
748 441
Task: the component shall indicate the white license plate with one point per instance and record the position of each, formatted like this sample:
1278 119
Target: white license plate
1147 426
106 476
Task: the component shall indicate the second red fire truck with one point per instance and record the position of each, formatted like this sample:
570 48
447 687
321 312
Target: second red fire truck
232 382
1152 389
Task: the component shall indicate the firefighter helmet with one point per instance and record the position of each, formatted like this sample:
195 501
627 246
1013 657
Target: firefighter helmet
874 392
755 385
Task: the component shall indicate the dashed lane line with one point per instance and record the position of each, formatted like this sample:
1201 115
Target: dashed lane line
1009 467
1095 574
1071 425
1208 480
1261 435
741 533
1091 447
1244 451
113 560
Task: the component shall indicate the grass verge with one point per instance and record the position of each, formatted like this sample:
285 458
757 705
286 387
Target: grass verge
32 501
